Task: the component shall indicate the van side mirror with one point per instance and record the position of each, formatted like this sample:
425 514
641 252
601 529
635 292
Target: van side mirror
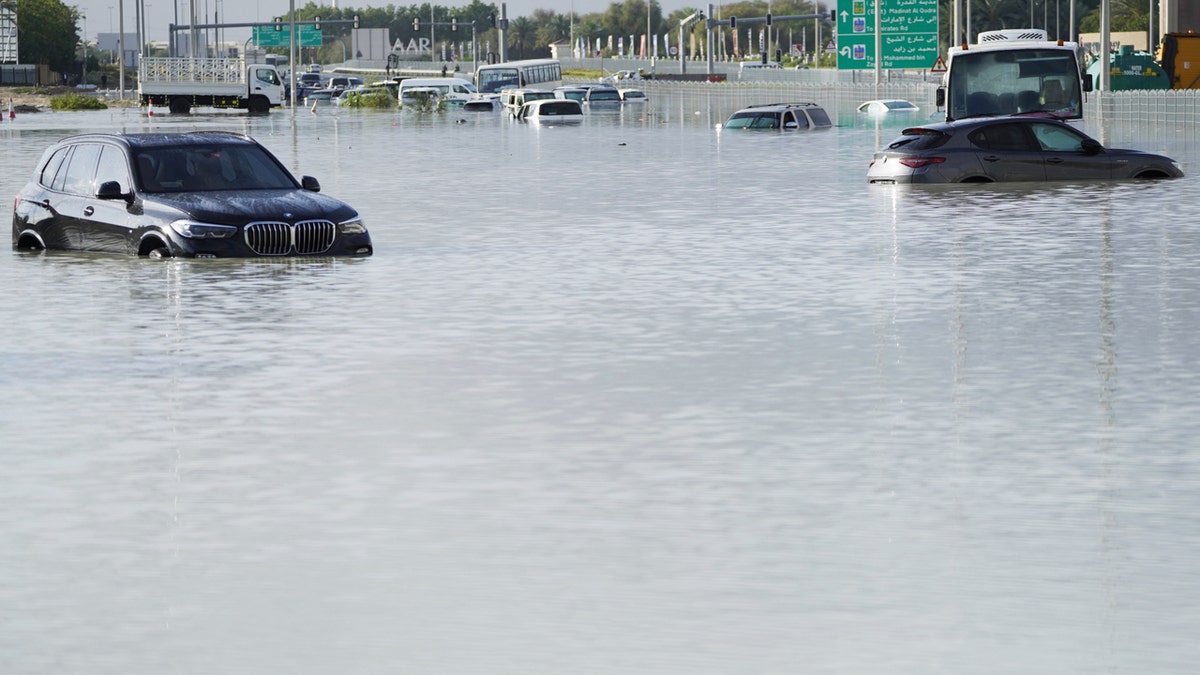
940 97
311 184
1087 82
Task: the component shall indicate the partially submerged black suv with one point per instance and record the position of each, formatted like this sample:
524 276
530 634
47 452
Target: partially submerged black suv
204 194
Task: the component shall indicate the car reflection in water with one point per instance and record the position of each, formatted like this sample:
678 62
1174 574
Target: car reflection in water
1006 149
200 195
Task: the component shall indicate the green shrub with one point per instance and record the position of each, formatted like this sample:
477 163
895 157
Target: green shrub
370 99
76 102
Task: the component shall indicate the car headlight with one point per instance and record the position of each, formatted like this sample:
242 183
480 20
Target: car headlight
353 226
194 230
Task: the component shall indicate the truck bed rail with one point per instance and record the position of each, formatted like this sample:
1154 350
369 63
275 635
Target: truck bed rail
165 69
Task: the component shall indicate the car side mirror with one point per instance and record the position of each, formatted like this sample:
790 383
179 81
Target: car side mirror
311 184
111 189
1092 147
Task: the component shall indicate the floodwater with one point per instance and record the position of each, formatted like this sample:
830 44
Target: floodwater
633 396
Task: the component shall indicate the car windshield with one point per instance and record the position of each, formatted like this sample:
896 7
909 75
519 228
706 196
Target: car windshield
208 167
753 120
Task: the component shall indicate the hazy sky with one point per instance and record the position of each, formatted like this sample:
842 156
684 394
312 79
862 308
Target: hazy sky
103 15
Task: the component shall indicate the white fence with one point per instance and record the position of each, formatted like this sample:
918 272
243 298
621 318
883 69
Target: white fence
1170 114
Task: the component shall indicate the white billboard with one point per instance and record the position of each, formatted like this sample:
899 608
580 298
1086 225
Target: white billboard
8 32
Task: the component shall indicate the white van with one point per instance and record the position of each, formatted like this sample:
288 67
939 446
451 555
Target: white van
448 88
514 99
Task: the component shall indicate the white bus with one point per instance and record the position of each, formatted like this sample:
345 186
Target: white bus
527 74
1014 71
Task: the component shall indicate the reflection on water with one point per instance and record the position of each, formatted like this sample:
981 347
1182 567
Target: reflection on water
635 395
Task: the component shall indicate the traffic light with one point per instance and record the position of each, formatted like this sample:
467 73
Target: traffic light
733 23
355 22
768 19
417 24
279 23
317 22
454 23
833 15
491 19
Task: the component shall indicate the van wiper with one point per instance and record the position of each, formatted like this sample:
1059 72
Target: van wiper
1039 111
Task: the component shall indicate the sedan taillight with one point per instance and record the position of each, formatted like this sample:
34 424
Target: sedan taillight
918 162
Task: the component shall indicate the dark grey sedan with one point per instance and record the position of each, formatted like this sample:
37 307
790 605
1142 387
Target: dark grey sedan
1007 149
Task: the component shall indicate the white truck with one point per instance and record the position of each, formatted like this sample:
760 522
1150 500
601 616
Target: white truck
181 82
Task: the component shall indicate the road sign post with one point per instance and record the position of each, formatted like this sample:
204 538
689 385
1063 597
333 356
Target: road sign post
908 33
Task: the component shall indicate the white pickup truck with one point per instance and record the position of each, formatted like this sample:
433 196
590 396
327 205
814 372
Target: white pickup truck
181 82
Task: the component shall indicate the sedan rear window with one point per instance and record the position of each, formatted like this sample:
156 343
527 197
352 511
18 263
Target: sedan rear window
919 139
563 108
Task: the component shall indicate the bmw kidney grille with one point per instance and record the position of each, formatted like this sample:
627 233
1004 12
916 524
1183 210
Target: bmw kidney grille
306 237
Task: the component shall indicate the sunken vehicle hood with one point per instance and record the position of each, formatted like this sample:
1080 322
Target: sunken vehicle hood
250 206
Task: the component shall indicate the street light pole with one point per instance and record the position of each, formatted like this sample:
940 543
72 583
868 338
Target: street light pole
292 57
121 47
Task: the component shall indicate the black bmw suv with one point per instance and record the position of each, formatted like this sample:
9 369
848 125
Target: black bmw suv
204 194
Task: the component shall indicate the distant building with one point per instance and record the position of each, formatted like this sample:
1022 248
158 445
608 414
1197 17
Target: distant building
560 50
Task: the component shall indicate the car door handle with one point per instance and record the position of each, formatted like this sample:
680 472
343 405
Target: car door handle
89 211
1054 160
991 158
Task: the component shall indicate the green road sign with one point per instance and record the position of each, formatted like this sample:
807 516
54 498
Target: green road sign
909 29
267 36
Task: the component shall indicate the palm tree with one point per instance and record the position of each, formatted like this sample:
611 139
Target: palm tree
1128 15
521 33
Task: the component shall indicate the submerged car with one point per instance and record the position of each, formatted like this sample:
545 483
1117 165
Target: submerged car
573 93
602 95
780 116
1009 149
885 106
551 111
204 194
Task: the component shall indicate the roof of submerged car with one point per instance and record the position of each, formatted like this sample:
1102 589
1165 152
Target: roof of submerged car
971 122
148 140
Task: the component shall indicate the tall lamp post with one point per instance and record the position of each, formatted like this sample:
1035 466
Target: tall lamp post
121 48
